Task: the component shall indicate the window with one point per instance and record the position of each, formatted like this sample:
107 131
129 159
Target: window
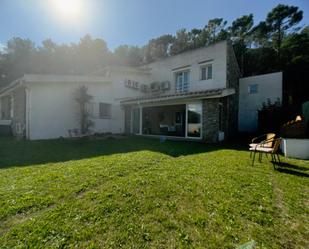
253 88
206 72
105 110
194 126
182 81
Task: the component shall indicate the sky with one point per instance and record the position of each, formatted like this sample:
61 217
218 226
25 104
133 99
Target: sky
132 22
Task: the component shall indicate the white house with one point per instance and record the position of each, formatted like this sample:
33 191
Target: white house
253 92
192 95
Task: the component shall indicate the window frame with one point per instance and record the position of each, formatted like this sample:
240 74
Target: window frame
199 106
256 89
184 85
109 114
206 67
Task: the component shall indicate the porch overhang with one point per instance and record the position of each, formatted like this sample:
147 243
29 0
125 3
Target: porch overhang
207 94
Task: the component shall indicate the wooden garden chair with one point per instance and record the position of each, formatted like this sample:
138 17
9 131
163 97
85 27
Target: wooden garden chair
262 149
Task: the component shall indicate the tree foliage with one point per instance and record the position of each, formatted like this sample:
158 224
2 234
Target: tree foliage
241 35
280 20
83 99
181 42
158 48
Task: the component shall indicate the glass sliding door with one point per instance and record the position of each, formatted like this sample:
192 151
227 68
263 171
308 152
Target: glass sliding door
136 120
169 120
194 121
182 81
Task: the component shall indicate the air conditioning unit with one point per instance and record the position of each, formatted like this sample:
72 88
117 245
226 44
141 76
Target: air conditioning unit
144 88
155 86
165 85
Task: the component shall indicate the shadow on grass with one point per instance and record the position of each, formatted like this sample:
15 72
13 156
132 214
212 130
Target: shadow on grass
15 153
292 169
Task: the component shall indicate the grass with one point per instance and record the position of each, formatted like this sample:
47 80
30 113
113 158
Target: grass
140 193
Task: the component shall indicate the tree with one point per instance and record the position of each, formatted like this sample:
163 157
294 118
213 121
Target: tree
260 35
240 32
196 38
125 55
241 29
181 42
120 55
18 58
259 60
83 99
216 30
90 54
158 48
295 64
305 30
49 46
280 20
2 69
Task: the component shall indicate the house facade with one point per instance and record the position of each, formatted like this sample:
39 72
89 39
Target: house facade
192 95
255 91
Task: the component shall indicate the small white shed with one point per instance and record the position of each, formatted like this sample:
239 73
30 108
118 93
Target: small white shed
253 91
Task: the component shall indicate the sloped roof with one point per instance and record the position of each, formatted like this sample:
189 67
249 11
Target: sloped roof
212 93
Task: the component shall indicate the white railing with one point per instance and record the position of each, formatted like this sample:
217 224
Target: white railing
182 87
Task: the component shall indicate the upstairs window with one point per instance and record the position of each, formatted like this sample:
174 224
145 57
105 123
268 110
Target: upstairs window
206 72
105 110
182 81
253 88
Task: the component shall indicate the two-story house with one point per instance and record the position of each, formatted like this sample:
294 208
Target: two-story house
192 95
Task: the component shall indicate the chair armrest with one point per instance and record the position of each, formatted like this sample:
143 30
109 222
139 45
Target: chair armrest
257 138
262 143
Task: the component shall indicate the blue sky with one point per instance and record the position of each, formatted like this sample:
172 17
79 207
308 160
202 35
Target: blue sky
118 22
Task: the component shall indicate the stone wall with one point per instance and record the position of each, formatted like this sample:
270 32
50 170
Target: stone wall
210 120
232 77
213 122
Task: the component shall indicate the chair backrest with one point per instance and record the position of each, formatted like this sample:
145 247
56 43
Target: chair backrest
277 143
270 137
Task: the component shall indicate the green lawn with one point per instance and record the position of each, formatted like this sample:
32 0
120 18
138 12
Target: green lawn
140 193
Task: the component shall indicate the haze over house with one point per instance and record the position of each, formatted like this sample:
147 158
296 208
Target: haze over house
192 95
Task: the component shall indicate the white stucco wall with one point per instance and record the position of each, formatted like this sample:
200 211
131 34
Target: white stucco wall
53 110
162 70
120 91
295 148
269 87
